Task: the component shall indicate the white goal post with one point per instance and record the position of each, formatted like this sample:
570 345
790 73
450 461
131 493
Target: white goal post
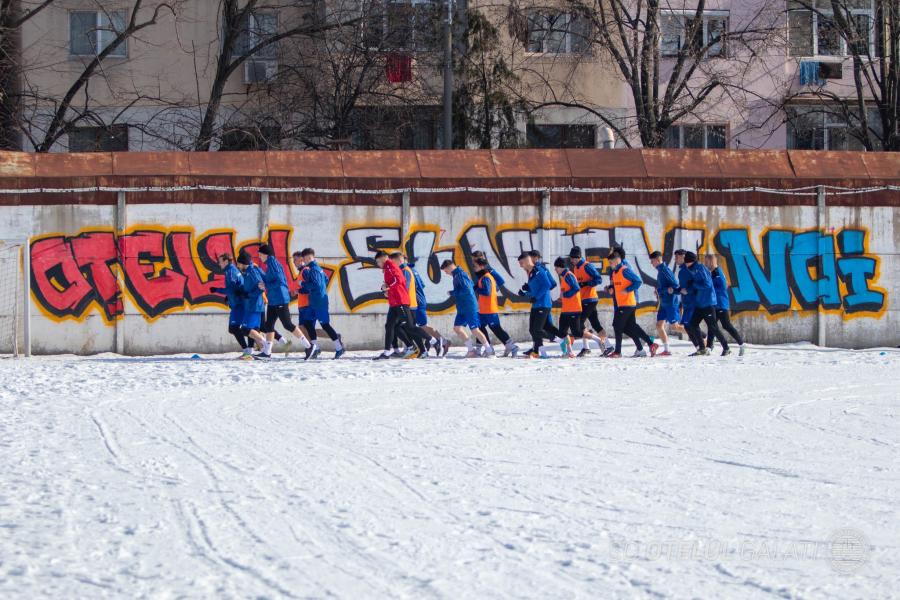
15 297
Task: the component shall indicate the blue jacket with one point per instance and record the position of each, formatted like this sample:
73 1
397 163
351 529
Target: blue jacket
550 277
539 286
500 281
464 292
665 279
316 285
234 281
702 286
276 282
254 301
721 288
421 301
684 281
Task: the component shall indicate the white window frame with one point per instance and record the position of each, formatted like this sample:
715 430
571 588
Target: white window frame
252 38
97 32
682 17
545 42
705 127
843 53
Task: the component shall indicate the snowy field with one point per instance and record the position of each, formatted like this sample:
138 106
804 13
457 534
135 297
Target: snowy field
635 478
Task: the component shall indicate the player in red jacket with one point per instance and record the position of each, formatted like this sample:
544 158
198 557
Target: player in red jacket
399 315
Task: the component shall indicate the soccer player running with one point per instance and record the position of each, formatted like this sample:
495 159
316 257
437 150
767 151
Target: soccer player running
488 310
723 315
625 284
275 285
234 291
315 287
588 279
570 297
419 304
466 309
688 302
254 304
538 290
398 309
668 302
700 286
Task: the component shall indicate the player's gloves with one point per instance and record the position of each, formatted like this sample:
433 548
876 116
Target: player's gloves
526 288
584 284
216 290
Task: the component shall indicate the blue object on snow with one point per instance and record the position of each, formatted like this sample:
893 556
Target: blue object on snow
196 356
883 353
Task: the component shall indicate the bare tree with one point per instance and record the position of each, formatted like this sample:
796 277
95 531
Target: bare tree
676 63
867 32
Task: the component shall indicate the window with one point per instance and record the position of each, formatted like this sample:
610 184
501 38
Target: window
90 33
697 136
711 32
99 139
558 33
263 138
561 136
822 128
402 25
815 33
256 29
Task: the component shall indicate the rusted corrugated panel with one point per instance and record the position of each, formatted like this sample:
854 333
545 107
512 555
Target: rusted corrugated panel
380 164
821 164
681 163
760 164
16 164
882 165
228 164
596 164
304 164
66 164
460 164
151 164
531 164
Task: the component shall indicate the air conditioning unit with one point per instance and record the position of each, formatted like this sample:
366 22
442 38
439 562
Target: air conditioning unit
259 71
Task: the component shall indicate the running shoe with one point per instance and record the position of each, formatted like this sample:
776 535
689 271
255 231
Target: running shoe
653 348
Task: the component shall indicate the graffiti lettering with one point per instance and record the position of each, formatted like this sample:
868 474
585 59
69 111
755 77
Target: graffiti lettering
799 269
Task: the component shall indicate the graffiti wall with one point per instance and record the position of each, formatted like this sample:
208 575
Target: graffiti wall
147 288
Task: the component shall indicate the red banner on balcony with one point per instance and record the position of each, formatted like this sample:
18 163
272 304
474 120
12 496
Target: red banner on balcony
399 67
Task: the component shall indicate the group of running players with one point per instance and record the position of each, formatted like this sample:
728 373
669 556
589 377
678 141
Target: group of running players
696 295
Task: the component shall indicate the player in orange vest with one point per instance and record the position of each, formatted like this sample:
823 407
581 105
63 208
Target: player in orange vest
488 309
589 278
570 317
624 285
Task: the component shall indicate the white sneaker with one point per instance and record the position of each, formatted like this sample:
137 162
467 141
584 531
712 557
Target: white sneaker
743 350
409 352
488 352
639 353
473 353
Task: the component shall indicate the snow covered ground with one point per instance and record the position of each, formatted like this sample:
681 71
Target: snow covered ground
176 478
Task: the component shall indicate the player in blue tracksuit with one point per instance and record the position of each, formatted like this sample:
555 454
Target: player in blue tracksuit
275 285
466 307
315 286
437 341
720 286
538 291
687 301
668 301
254 302
233 290
700 286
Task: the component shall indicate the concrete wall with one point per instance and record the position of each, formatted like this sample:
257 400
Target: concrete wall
130 272
145 290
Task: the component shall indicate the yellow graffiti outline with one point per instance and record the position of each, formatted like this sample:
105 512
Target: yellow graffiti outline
350 261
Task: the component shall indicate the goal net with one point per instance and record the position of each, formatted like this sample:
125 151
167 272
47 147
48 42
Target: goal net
14 301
